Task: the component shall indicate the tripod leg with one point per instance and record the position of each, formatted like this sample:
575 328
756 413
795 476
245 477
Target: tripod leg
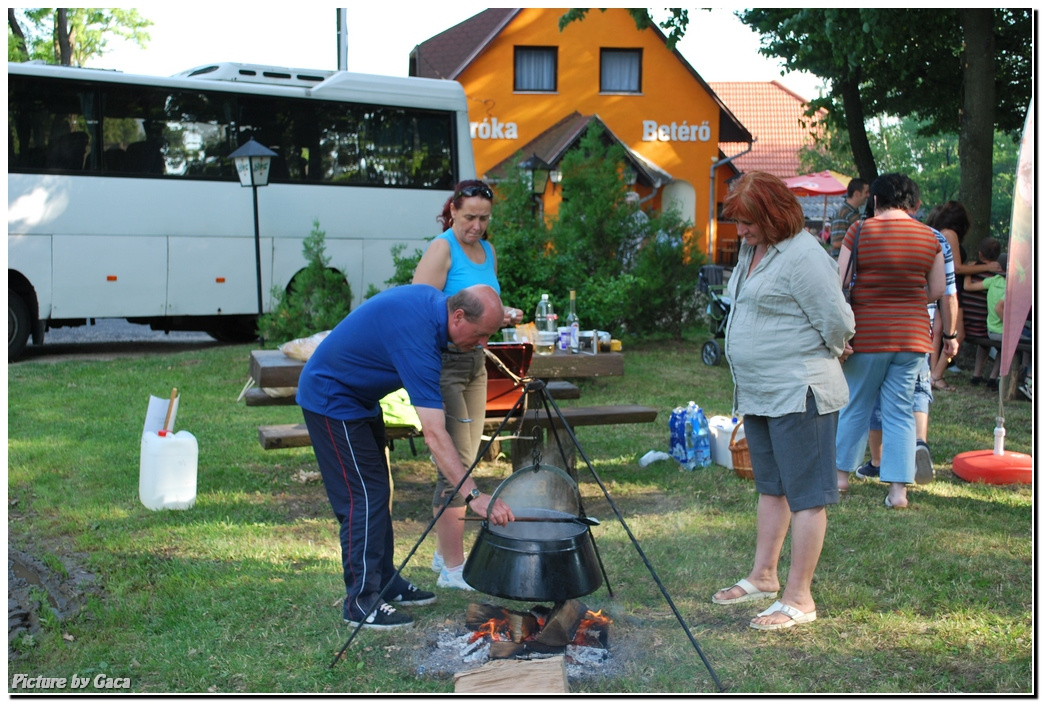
636 544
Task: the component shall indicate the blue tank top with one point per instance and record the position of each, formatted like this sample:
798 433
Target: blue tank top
463 273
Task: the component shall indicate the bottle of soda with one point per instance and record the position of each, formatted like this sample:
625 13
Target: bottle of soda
572 326
545 327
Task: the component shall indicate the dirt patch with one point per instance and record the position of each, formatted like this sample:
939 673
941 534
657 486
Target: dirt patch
35 591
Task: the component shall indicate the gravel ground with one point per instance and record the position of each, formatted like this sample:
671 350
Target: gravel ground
111 338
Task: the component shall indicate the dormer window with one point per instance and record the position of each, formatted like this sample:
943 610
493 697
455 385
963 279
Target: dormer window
535 68
621 70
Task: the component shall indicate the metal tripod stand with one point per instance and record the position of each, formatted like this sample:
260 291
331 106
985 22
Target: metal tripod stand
554 419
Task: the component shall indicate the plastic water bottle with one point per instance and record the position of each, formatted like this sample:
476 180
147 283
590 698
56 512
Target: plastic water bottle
999 438
690 442
545 327
702 438
678 426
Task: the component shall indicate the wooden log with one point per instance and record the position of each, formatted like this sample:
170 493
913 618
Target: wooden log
504 649
534 646
538 676
522 625
478 614
562 623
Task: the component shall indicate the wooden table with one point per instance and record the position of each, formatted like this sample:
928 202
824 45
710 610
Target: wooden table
270 368
576 365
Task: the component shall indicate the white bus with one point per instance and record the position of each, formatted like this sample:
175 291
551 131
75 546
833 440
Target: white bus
122 201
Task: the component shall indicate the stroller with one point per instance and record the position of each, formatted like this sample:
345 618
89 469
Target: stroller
712 281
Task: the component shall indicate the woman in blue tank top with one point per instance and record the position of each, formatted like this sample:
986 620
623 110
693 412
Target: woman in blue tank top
459 258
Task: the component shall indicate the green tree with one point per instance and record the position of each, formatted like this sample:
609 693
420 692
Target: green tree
70 36
315 300
632 271
965 72
932 160
674 25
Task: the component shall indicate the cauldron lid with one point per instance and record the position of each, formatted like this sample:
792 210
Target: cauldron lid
540 486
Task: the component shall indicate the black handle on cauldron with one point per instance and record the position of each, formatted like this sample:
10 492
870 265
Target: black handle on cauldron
588 521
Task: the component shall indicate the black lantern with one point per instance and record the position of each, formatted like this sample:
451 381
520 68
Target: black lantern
539 170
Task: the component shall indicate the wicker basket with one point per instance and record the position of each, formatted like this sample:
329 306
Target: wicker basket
739 454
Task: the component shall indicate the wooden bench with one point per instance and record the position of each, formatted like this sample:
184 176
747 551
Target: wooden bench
256 397
278 436
1022 346
273 369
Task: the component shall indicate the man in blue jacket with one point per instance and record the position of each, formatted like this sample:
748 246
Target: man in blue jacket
393 340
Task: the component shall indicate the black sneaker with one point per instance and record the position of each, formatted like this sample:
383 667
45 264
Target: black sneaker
414 596
868 470
384 617
923 464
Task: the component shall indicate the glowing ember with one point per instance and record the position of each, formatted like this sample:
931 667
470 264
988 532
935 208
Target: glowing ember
592 630
493 630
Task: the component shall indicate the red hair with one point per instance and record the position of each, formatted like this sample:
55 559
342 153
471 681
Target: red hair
765 201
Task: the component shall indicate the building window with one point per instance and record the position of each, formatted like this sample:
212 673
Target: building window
620 70
535 68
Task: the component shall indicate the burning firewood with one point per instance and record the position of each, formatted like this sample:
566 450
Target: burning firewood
541 630
562 623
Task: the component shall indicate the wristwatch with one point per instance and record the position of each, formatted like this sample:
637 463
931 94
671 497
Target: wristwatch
474 494
950 336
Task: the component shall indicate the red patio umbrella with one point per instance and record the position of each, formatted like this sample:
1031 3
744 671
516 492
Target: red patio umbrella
824 183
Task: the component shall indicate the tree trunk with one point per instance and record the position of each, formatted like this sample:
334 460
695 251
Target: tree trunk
16 29
976 140
61 32
858 141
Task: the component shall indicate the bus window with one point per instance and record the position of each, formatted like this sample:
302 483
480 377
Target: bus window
165 132
49 126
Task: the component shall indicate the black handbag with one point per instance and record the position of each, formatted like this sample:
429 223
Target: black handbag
850 276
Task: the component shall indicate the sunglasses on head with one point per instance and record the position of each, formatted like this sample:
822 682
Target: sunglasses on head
471 190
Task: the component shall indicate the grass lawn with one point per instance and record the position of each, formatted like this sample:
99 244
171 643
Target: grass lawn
242 593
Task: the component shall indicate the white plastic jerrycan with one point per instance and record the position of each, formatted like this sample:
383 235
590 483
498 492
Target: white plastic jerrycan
169 470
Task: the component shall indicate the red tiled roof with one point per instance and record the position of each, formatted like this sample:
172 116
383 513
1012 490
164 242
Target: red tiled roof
448 53
774 115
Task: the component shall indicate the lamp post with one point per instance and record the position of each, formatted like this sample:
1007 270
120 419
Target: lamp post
539 174
253 163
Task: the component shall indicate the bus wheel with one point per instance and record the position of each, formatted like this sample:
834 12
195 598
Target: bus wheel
234 330
18 325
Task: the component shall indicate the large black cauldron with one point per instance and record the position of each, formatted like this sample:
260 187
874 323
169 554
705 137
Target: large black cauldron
539 561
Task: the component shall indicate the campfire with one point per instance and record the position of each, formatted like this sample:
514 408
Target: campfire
540 630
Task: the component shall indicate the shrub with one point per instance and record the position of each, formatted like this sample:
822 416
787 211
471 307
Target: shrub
316 299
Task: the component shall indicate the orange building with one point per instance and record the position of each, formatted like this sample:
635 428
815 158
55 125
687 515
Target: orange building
533 89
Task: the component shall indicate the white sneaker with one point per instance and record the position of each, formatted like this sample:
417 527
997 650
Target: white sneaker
437 563
453 578
953 369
